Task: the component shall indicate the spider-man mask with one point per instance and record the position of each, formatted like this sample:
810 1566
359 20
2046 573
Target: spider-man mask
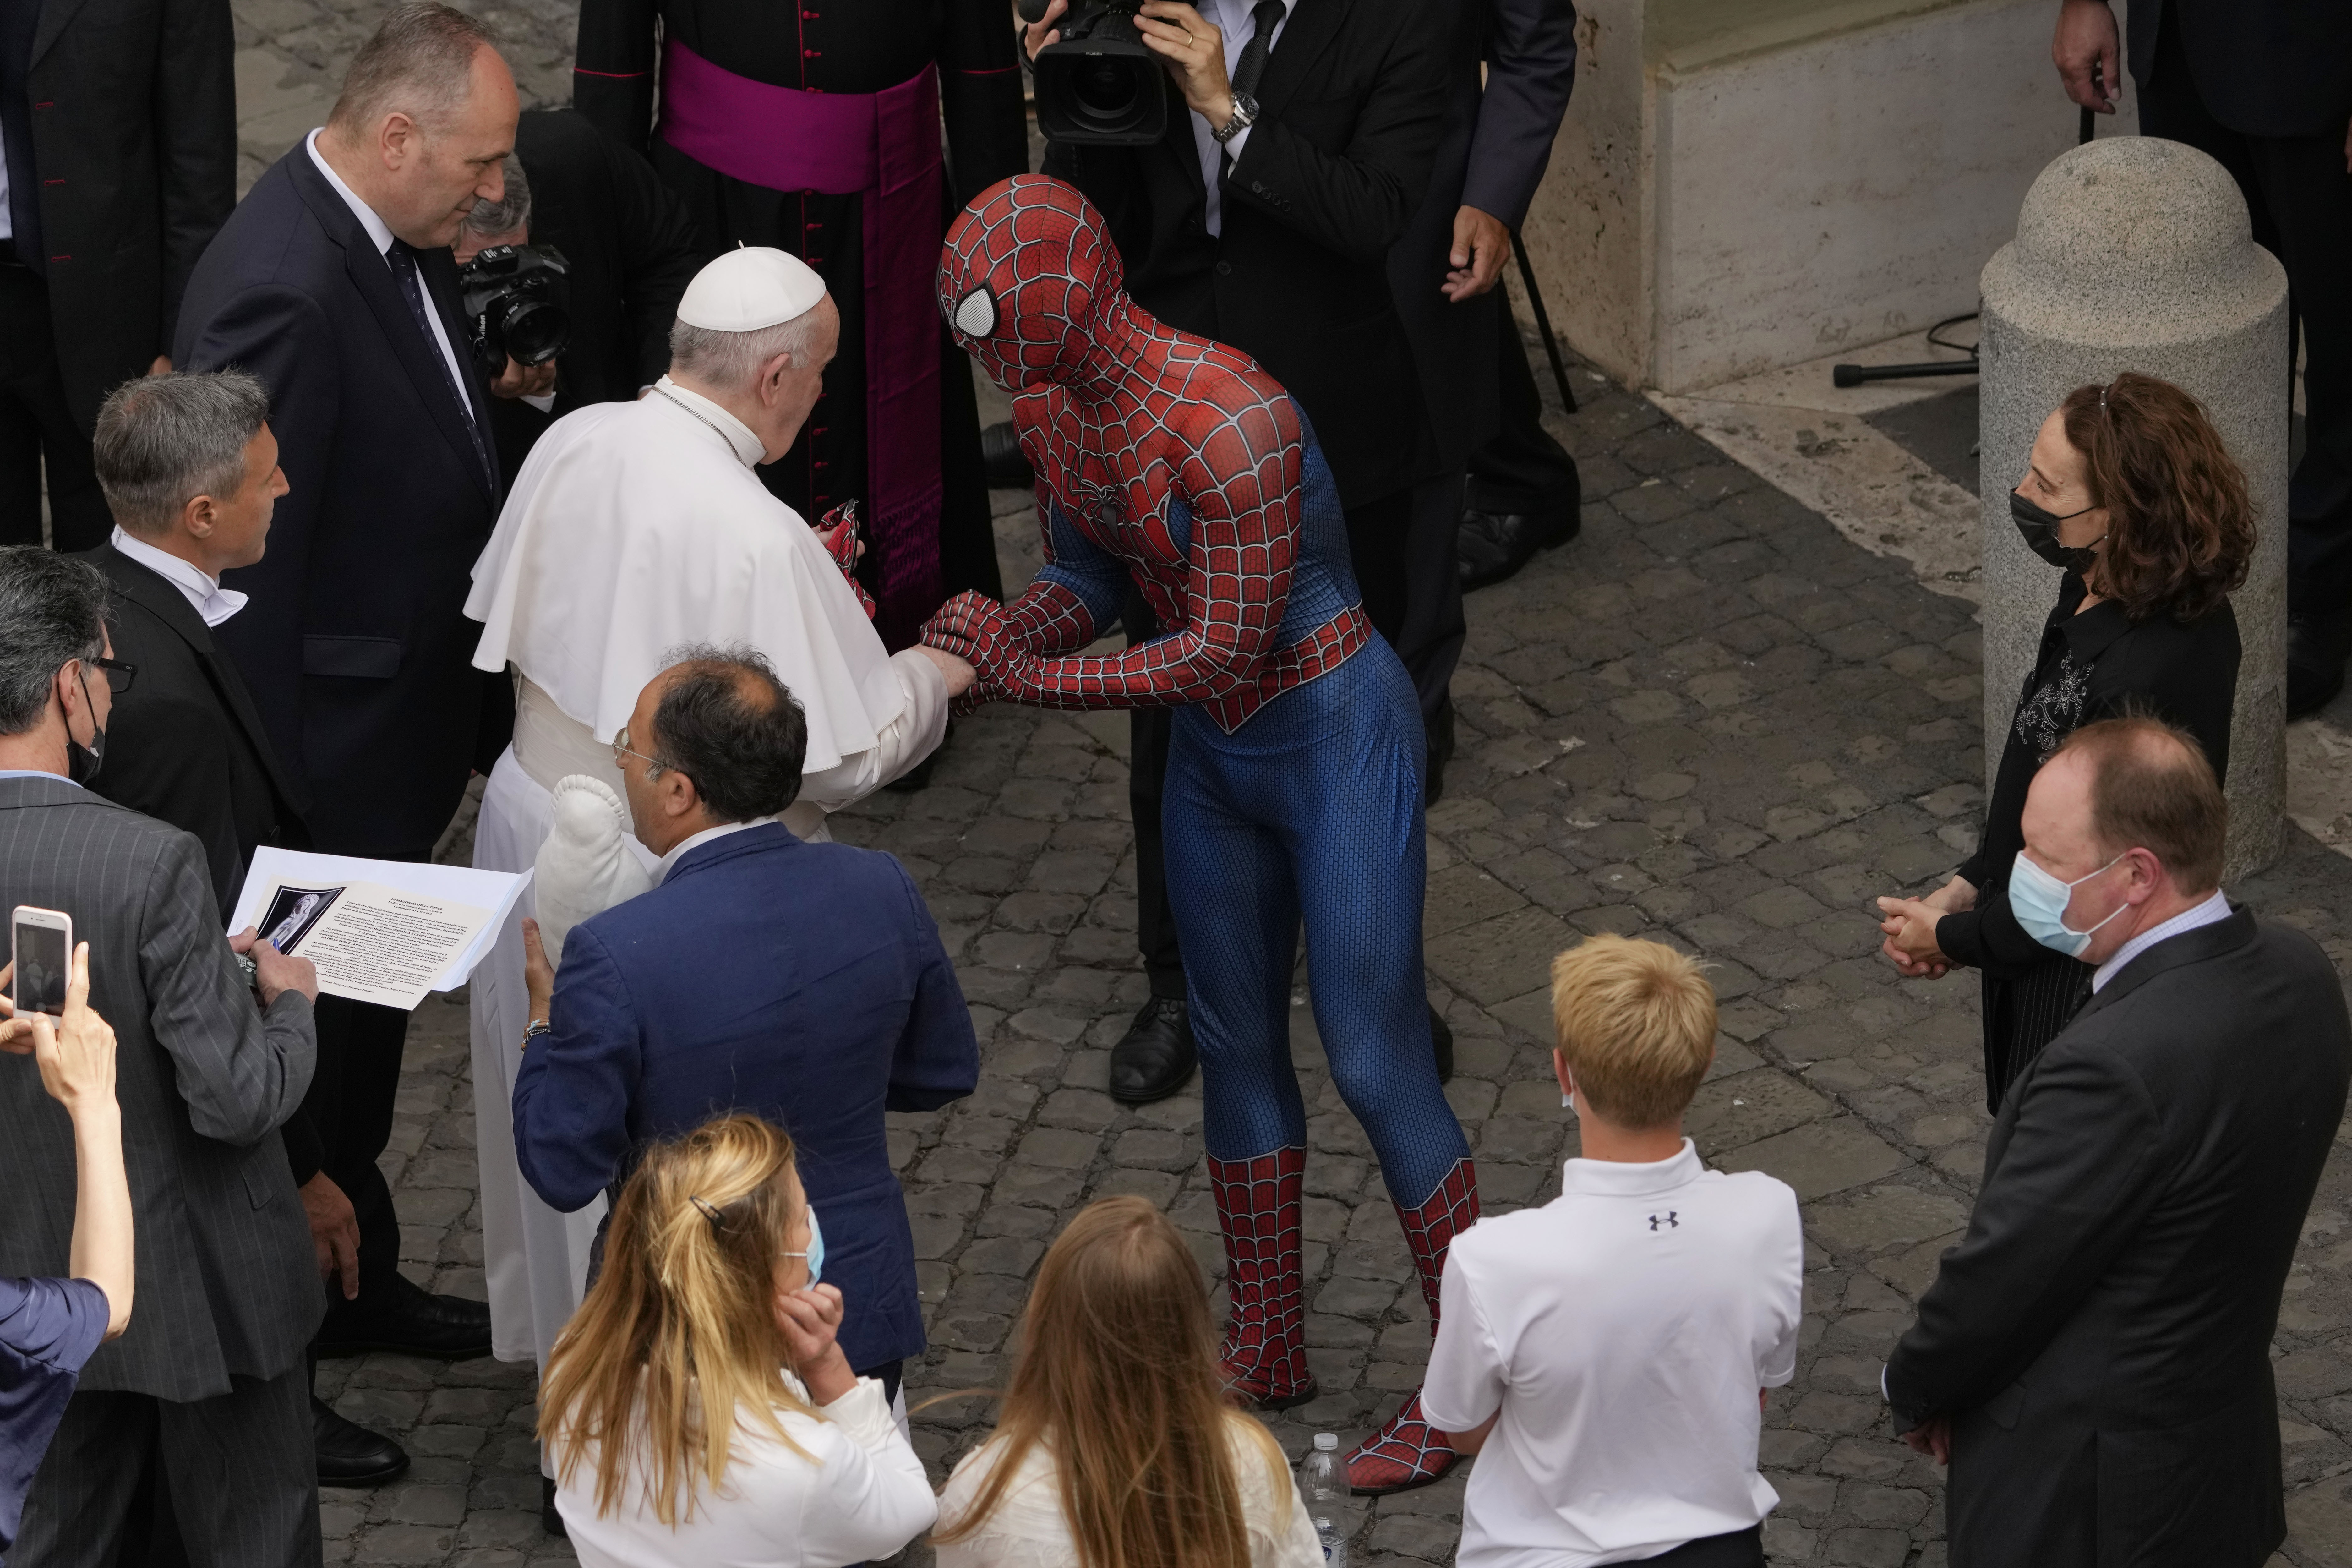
1027 281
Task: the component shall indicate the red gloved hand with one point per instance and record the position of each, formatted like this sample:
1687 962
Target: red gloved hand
838 529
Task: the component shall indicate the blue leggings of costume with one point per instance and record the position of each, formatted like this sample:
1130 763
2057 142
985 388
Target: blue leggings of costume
1312 810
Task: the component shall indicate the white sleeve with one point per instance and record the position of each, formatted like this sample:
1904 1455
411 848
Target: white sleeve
1294 1543
871 1496
1782 1263
1465 1383
907 740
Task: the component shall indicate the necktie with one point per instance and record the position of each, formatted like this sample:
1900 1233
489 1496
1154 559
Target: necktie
1265 17
412 288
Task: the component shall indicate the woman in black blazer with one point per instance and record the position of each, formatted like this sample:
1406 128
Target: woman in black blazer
2130 491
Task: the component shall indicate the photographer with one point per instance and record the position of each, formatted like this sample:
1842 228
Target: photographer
1263 217
629 250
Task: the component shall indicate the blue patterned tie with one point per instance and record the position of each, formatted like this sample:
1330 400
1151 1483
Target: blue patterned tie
412 288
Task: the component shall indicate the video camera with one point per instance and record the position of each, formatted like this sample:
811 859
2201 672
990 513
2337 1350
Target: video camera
1098 84
516 300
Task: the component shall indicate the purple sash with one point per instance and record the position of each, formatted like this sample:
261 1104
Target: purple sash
883 146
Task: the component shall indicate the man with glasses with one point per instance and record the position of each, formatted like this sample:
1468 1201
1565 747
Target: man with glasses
803 982
203 1396
189 469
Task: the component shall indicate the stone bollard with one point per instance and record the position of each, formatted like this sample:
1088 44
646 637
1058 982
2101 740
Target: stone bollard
2135 254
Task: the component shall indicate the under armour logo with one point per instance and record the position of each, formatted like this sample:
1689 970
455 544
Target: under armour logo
1666 1219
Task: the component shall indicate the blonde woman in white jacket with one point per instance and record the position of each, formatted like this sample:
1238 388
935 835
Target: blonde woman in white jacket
708 1317
1115 1447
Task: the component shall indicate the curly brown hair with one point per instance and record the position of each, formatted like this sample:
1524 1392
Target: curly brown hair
2181 531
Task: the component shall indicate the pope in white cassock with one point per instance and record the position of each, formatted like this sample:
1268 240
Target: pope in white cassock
635 528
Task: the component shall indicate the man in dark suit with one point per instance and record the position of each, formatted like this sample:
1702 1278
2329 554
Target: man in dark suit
332 282
805 982
2264 87
631 246
190 470
1523 490
209 1379
2094 1358
118 122
1263 218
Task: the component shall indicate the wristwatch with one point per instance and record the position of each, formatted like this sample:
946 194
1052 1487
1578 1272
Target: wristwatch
1245 115
533 1029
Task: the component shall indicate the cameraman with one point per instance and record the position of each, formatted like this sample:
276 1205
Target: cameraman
1263 218
631 248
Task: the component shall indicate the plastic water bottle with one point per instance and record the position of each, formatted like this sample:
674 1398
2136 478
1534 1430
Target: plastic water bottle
1322 1482
1335 1545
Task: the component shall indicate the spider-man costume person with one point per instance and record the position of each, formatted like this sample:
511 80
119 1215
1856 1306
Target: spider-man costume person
1293 772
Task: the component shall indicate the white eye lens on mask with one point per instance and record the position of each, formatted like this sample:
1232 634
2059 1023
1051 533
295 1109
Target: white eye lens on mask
975 313
2039 900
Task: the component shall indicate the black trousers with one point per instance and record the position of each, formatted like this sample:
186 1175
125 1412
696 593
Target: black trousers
1403 550
351 1103
37 433
238 1468
1739 1549
2299 195
1521 469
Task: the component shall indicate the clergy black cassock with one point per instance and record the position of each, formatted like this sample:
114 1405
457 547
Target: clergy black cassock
815 128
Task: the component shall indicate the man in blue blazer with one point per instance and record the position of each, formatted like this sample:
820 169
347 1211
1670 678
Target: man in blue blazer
800 982
332 282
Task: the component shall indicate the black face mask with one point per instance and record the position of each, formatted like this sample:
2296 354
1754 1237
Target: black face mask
2040 530
82 762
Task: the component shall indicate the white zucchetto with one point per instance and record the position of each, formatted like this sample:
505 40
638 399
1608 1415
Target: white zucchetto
747 289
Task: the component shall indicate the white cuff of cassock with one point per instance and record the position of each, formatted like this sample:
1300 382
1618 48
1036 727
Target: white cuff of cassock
907 740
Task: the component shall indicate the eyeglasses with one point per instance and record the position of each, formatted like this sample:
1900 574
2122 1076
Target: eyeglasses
621 749
118 674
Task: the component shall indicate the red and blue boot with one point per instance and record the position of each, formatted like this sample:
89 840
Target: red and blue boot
1259 1204
1409 1452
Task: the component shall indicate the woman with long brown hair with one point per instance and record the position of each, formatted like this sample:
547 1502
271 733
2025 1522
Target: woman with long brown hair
1116 1447
710 1319
2131 493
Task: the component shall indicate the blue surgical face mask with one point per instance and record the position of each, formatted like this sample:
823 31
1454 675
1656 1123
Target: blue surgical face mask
815 1252
2039 900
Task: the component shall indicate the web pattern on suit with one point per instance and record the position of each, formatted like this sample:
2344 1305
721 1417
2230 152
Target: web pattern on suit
1185 479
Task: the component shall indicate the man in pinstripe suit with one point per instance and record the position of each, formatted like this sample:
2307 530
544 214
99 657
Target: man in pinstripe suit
210 1376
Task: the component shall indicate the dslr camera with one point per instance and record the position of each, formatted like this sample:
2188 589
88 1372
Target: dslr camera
1097 84
517 302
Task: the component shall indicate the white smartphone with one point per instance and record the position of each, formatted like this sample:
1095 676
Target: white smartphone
40 942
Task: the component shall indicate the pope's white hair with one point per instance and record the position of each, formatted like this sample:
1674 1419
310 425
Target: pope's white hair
731 362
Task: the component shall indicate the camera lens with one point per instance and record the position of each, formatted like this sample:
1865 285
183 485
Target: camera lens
1104 89
536 332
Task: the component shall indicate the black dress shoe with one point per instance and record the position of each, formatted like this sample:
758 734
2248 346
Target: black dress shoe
1155 1057
1494 545
412 1322
1000 455
1441 1042
349 1454
2315 651
550 1519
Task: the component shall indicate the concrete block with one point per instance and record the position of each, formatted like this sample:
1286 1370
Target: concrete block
2135 254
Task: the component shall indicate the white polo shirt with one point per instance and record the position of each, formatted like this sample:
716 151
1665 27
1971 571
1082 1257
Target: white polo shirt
1623 1330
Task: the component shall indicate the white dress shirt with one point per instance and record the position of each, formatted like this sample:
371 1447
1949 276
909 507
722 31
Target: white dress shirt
382 236
679 850
203 590
1232 18
853 1493
2211 910
1619 1333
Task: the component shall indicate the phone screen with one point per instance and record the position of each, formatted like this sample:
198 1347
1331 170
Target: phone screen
41 969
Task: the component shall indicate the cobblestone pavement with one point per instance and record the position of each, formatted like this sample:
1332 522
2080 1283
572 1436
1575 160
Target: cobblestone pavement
1711 720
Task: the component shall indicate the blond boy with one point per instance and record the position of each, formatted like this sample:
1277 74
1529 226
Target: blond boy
1604 1355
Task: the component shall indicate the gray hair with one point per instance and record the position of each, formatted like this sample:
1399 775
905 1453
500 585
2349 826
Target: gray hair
420 63
163 441
510 211
730 361
52 611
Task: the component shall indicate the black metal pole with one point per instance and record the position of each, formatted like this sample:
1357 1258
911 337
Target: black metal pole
1543 324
